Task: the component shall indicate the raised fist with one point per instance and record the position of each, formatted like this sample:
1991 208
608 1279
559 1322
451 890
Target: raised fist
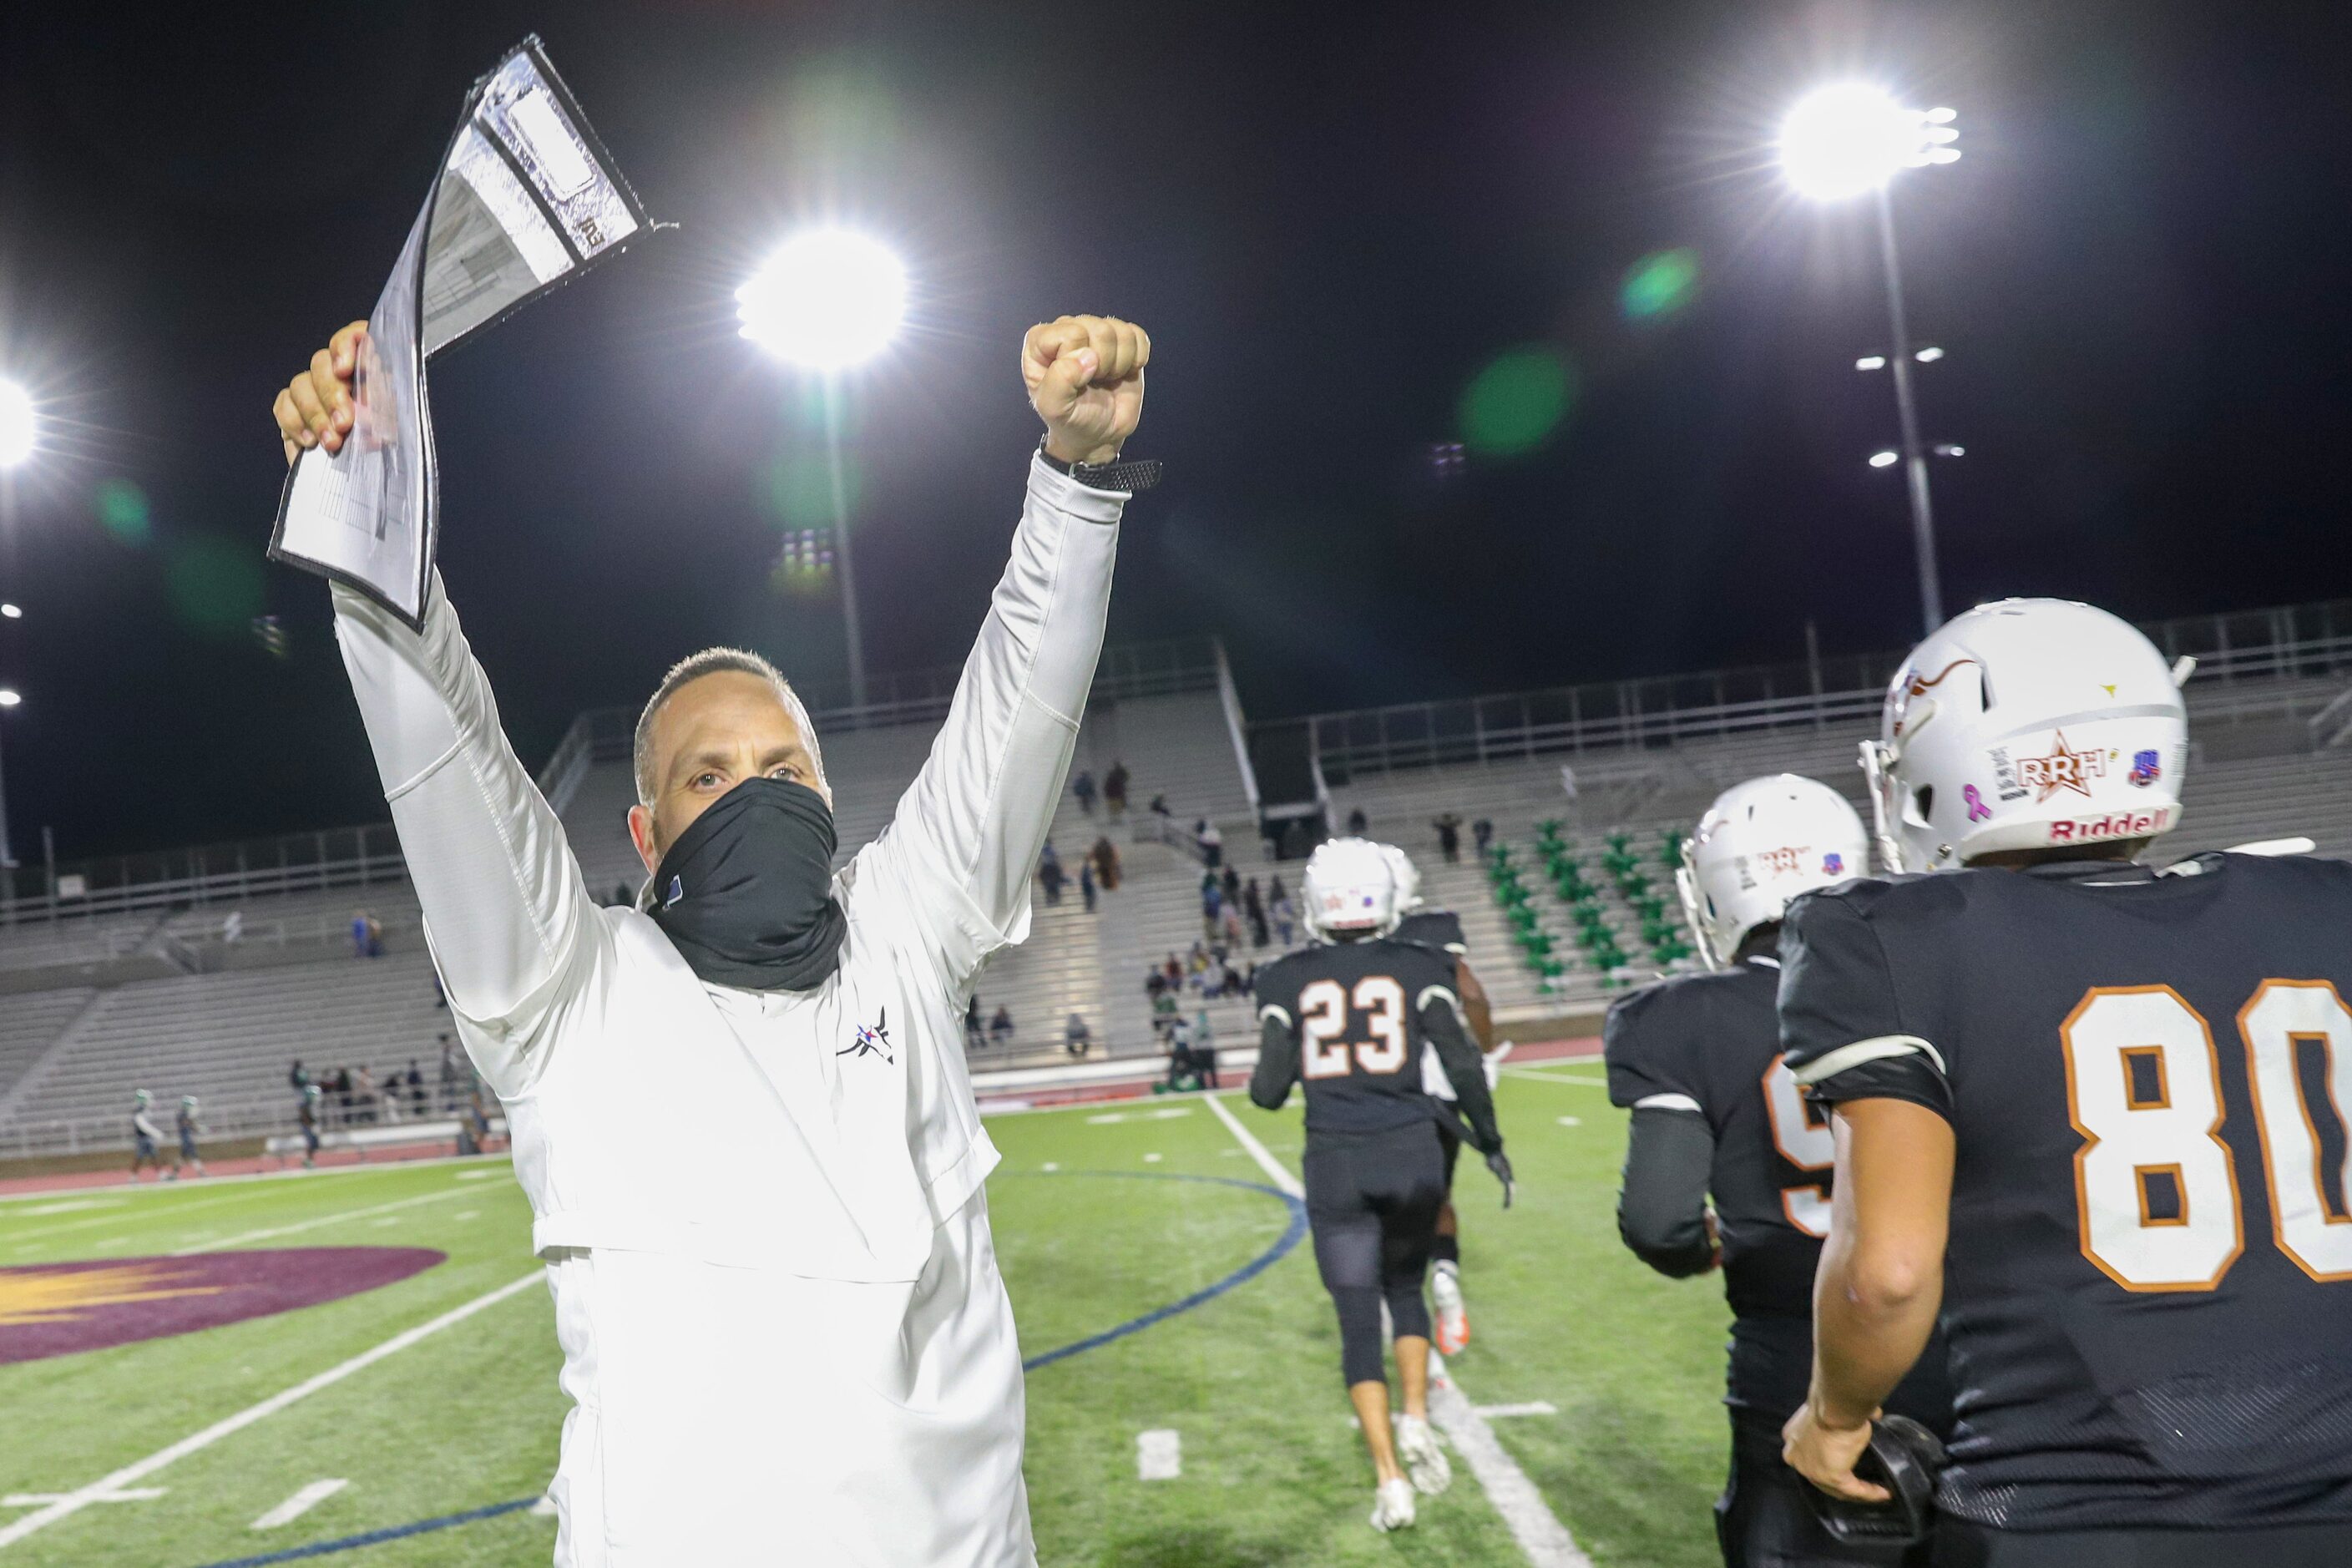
1085 375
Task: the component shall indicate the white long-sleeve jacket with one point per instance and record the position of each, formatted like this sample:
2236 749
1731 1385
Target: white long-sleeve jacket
654 1113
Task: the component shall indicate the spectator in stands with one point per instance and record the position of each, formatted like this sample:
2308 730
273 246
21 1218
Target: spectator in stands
1087 884
1115 790
450 1059
1482 832
1083 787
416 1102
1049 873
1106 858
1284 915
973 1038
1213 900
1000 1028
1212 843
358 933
1076 1039
1229 925
343 1096
1449 836
1160 807
1196 962
297 1078
1356 822
1175 971
440 997
1155 981
1253 906
369 1106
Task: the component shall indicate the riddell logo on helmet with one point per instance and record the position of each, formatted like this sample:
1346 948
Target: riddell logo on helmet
2118 824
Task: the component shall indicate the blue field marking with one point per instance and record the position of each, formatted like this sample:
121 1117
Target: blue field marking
376 1537
1292 1234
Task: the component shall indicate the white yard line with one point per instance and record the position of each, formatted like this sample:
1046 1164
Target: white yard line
100 1491
301 1503
1543 1541
278 1230
1540 1076
1158 1455
1530 1408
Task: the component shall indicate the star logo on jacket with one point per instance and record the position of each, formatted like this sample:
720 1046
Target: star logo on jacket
875 1041
2061 769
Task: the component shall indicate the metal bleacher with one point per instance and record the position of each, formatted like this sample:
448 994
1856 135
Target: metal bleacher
206 971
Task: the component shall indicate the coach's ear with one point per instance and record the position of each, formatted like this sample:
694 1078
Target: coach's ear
641 833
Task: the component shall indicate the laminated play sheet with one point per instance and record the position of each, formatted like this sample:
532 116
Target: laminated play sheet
526 199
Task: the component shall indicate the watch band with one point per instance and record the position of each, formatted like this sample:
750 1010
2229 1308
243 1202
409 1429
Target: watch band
1131 477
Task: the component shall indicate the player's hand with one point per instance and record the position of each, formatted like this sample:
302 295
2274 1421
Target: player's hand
316 408
1714 1242
1500 1163
1085 376
1826 1455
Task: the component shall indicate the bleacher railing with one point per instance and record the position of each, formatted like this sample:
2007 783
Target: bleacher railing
352 856
2275 648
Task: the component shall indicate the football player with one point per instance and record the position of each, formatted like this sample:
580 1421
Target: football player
1351 1020
188 1127
2093 1112
1697 1059
144 1136
1441 931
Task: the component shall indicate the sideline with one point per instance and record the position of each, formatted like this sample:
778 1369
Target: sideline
1543 1541
336 1218
75 1502
18 1189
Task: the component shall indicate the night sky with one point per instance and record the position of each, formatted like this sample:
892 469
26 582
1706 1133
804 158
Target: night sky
1333 222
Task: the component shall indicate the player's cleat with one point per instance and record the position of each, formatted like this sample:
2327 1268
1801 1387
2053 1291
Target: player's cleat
1392 1505
1424 1461
1453 1317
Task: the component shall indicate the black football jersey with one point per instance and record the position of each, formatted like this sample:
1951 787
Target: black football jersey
1710 1044
1355 1010
1440 929
2148 1286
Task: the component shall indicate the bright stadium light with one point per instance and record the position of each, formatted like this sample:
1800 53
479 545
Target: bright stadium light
1950 449
1850 138
827 300
10 611
8 697
18 427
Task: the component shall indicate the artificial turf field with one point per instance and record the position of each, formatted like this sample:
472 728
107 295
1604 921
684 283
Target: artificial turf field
1100 1219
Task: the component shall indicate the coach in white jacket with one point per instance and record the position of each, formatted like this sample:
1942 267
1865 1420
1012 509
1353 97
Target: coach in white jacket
741 1110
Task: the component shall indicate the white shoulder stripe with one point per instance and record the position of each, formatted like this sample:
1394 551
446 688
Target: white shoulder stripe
1666 1102
1271 1011
1444 994
1832 1063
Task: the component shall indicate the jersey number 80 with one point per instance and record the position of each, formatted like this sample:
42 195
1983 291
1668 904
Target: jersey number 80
1323 1020
2156 1187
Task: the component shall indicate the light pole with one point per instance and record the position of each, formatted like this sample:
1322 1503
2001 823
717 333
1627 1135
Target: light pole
19 435
1850 140
829 300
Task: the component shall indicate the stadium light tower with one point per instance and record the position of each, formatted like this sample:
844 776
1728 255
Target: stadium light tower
1850 140
827 300
8 699
19 430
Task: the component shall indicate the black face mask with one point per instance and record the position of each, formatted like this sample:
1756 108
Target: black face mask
746 893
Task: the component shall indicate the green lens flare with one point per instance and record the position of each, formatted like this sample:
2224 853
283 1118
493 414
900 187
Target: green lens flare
122 512
214 585
1518 402
1660 284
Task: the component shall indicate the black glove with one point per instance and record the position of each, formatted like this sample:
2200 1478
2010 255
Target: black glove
1501 1165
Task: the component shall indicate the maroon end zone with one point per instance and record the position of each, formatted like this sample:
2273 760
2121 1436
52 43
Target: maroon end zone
59 1308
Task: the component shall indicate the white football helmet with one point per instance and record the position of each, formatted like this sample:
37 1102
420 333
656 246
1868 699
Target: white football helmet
1408 879
2027 724
1350 885
1759 845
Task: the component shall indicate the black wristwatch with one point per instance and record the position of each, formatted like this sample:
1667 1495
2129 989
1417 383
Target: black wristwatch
1130 477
